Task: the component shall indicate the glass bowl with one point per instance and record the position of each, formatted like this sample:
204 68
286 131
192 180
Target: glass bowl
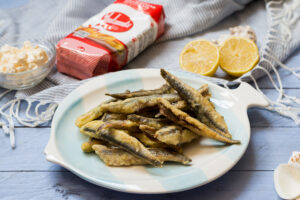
30 78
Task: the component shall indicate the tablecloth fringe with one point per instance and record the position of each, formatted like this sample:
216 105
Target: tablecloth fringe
280 34
11 110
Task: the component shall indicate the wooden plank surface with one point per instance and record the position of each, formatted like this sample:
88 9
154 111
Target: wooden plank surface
238 185
24 172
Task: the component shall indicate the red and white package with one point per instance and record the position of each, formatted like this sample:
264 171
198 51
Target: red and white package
110 39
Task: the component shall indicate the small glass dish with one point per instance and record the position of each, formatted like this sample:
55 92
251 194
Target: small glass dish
30 78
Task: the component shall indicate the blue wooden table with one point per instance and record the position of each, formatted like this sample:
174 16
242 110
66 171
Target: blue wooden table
25 174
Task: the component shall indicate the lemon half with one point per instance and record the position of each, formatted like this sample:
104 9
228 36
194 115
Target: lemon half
201 57
238 55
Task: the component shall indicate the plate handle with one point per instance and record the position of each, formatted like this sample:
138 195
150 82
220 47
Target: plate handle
52 154
249 96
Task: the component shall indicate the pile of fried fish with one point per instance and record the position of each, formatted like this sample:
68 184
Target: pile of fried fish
150 126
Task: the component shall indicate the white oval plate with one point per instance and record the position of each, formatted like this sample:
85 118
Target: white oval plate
211 159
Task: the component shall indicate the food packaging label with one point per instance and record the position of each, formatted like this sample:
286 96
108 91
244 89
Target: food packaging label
110 39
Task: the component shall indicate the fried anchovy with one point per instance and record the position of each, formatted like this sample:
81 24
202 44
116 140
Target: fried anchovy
207 122
152 122
183 119
120 124
183 105
113 116
147 141
119 138
151 131
147 129
136 104
151 113
119 157
162 90
200 105
116 156
122 139
94 127
168 155
91 128
175 135
95 113
87 146
203 90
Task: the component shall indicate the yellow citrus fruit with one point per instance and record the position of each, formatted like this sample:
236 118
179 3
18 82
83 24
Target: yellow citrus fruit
238 55
201 57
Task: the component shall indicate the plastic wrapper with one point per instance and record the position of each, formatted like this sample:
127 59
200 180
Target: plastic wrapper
110 39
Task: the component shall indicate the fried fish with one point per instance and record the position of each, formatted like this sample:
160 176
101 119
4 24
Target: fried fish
91 115
116 156
201 106
113 116
128 130
169 155
152 122
175 135
119 157
122 139
136 104
91 128
162 90
87 146
183 119
120 124
148 129
147 141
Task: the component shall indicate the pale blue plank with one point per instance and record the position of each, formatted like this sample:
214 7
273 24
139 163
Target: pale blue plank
64 185
269 147
28 155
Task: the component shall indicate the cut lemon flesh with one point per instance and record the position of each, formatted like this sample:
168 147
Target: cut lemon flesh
238 55
201 57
